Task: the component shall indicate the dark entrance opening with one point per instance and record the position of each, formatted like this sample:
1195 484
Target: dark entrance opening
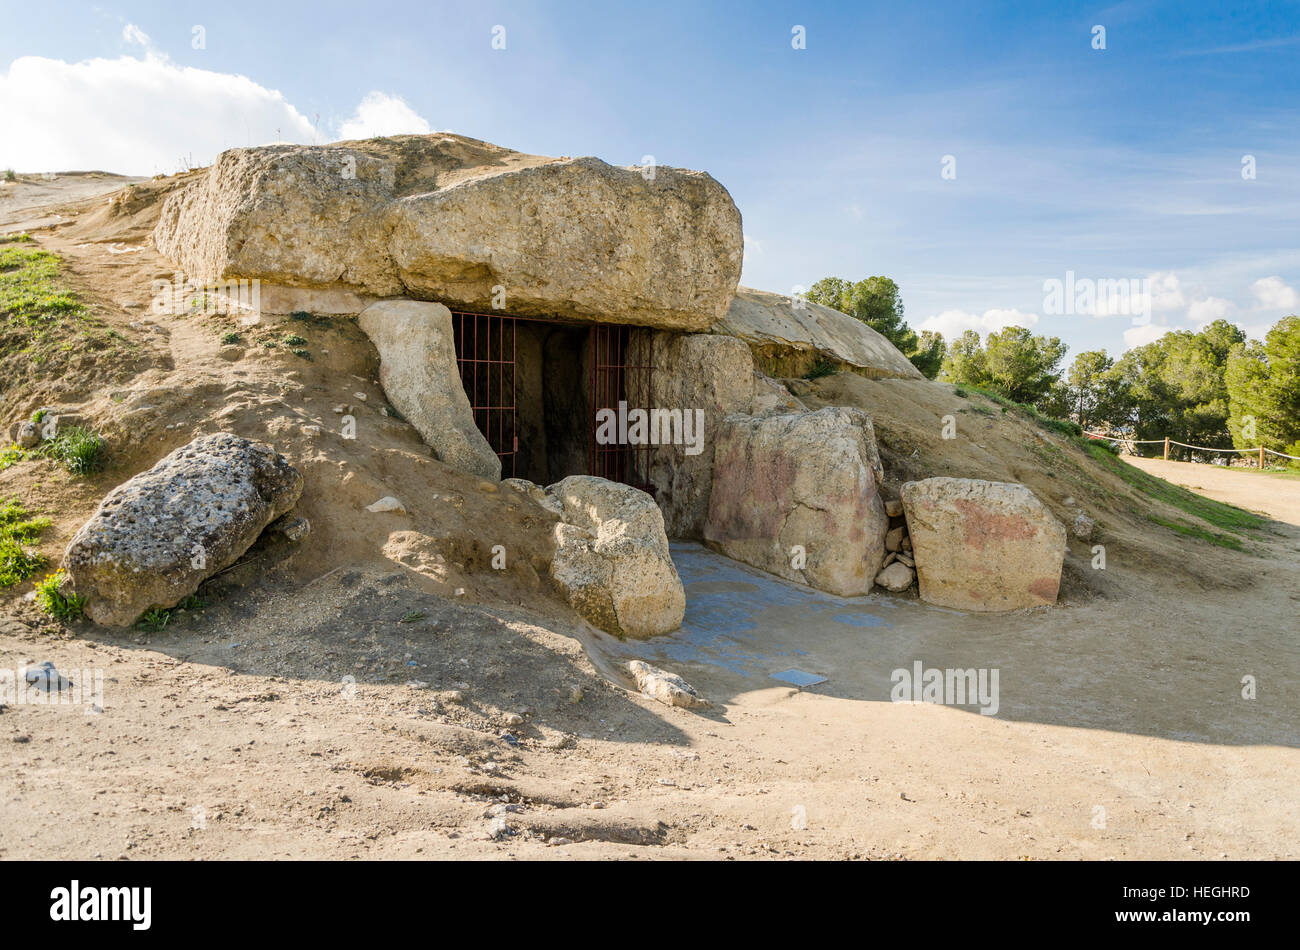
536 388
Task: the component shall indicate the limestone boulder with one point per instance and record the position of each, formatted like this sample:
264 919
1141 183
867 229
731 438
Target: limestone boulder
611 557
452 219
771 398
797 495
981 545
700 378
417 369
668 688
156 537
789 337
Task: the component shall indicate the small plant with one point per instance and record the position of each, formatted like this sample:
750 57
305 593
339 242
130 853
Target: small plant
9 175
51 599
269 344
10 456
20 238
78 450
38 416
294 340
300 352
230 338
192 602
823 367
16 530
154 620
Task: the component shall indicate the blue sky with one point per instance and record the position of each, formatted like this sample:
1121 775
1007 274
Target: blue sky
1114 164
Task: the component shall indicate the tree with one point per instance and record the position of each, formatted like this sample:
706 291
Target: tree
1263 385
877 302
1022 366
1096 392
965 363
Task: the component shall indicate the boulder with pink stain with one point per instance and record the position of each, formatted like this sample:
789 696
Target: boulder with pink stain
797 494
983 545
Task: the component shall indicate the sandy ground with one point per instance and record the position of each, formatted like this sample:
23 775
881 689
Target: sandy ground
1277 496
383 693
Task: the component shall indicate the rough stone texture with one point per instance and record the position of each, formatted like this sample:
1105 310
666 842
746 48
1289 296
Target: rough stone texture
612 560
788 340
448 218
896 577
695 371
982 545
668 688
772 398
810 479
417 368
1083 527
155 538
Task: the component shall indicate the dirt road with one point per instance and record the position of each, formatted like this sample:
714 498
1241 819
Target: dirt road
1277 496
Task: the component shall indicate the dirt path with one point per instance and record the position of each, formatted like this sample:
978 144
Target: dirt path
1277 496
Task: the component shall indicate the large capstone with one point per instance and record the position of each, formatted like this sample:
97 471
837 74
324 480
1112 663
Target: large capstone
612 559
797 495
478 227
155 538
790 337
983 545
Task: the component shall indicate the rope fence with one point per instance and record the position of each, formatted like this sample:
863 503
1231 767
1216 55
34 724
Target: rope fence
1260 450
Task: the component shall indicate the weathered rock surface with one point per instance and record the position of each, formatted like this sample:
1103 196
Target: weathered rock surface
896 577
772 398
155 538
983 545
698 371
788 340
668 688
809 480
448 218
417 368
612 560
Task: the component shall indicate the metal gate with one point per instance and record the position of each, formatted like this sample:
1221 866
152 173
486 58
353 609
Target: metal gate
485 356
620 374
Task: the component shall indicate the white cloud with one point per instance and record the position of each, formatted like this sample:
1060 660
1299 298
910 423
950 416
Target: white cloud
1140 336
382 114
1166 291
952 323
145 114
1204 312
1272 293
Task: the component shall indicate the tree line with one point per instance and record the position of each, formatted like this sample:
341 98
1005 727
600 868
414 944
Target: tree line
1211 387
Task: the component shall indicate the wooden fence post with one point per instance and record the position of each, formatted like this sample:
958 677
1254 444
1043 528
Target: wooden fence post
1166 448
1261 458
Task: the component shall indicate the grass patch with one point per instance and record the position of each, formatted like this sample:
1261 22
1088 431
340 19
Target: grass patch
19 238
1190 530
51 599
1071 430
1227 517
17 530
230 338
78 450
11 456
294 339
10 175
301 353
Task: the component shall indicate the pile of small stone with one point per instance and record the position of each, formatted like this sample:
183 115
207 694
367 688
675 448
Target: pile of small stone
898 572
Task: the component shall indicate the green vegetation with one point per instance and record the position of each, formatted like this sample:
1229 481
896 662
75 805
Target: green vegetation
878 303
1190 530
11 455
229 338
294 340
78 450
9 175
1228 517
154 620
822 367
29 287
51 599
19 238
300 352
17 530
